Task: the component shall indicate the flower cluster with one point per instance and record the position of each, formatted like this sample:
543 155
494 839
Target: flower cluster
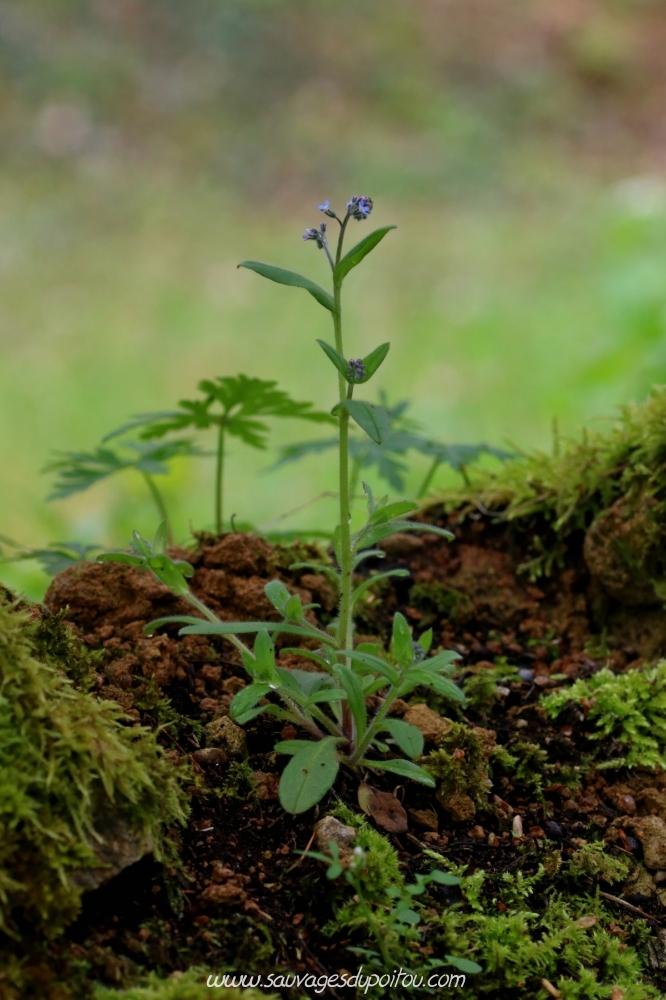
356 370
359 207
319 235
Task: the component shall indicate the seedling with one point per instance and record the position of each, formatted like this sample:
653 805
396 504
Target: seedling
79 470
389 925
330 704
231 405
388 457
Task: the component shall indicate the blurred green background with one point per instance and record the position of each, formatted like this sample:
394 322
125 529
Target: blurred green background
148 145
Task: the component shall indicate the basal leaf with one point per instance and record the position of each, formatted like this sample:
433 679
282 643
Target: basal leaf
361 250
120 557
285 277
247 698
292 747
309 775
408 738
405 768
402 641
374 663
392 511
370 417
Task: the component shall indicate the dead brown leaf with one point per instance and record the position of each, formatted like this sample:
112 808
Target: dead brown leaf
384 808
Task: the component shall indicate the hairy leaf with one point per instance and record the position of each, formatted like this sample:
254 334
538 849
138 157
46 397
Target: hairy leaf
370 417
405 768
309 775
408 738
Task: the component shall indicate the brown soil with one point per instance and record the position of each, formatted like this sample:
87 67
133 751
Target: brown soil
240 870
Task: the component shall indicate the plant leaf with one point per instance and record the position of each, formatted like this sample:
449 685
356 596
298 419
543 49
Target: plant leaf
367 584
121 557
336 358
405 768
374 663
402 641
370 417
285 277
392 510
408 738
361 250
464 964
292 747
373 360
247 698
442 685
309 775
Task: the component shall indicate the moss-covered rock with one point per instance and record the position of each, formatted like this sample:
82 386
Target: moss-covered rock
82 793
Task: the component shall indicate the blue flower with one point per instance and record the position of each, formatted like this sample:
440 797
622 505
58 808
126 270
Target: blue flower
326 209
359 207
318 235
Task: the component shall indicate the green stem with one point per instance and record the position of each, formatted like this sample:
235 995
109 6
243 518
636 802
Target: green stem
429 477
355 472
345 625
159 503
378 936
219 473
373 728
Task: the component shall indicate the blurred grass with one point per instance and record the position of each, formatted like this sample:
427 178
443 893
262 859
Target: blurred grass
525 281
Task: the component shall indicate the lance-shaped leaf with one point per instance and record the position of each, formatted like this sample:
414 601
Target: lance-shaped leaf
408 738
247 698
364 587
373 360
402 641
309 775
370 417
374 663
442 685
361 250
405 768
333 355
391 511
285 277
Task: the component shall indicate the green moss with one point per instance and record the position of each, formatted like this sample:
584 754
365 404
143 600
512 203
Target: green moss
593 861
457 774
54 643
434 600
482 684
551 499
383 866
531 766
190 986
630 708
150 698
238 781
67 765
546 932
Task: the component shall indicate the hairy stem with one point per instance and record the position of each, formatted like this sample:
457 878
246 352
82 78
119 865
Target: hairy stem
373 728
159 503
219 474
